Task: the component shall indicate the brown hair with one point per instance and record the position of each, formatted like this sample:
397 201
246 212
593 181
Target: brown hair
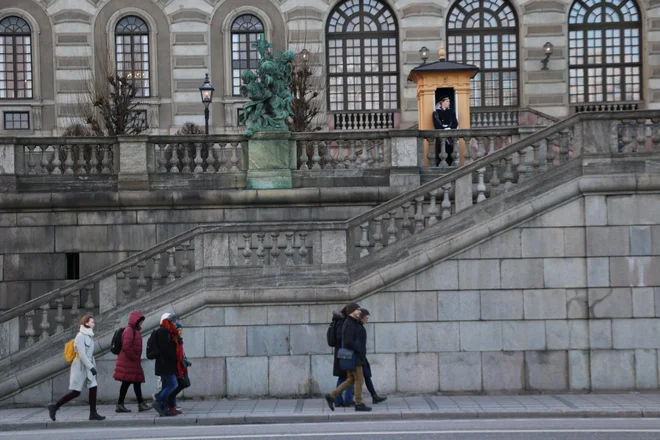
85 319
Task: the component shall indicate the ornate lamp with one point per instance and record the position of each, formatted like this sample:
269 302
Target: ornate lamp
547 49
304 55
206 90
424 54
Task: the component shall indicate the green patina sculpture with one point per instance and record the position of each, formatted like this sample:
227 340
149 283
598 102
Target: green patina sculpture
270 98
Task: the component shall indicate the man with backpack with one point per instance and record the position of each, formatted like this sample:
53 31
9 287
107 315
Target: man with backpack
344 399
163 347
354 338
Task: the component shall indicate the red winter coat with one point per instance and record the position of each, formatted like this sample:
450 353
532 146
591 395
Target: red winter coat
129 363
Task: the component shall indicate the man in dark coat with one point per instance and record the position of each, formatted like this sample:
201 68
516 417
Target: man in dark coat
354 337
444 118
344 399
166 362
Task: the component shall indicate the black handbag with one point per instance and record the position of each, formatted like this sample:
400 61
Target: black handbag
185 380
346 357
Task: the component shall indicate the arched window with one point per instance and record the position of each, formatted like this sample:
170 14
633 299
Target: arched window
245 30
132 52
484 33
604 51
15 59
362 50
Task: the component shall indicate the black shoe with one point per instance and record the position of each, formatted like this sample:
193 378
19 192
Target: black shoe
348 405
52 409
143 407
362 407
121 409
96 416
156 405
377 399
331 401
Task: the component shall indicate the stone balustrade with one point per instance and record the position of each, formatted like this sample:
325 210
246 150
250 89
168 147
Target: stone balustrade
66 156
509 117
335 150
364 120
198 154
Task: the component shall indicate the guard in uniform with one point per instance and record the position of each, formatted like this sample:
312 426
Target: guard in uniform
444 119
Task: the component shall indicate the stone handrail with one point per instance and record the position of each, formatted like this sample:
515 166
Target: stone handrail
475 181
196 153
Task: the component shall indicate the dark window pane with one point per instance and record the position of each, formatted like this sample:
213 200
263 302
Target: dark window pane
132 53
16 120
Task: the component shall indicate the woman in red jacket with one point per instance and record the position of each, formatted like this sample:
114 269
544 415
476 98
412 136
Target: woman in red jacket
128 369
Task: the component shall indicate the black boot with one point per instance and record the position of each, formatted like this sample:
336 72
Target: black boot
362 407
121 409
93 415
376 399
331 401
52 409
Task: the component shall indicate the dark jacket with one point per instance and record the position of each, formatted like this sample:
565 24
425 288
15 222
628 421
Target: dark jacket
129 363
166 360
444 119
354 337
338 324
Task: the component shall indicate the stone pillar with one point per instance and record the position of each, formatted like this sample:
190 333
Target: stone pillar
334 247
9 337
463 192
271 157
407 158
212 250
595 136
133 172
108 293
8 166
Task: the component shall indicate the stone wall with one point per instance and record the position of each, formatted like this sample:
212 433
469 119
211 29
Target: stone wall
564 302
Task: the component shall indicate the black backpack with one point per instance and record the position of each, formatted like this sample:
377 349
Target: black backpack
115 346
152 346
331 334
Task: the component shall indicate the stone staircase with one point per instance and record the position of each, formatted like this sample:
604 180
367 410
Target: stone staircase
243 265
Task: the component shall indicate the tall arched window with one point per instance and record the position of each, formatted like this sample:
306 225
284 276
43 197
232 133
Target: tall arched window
604 51
484 33
15 58
362 51
245 30
132 52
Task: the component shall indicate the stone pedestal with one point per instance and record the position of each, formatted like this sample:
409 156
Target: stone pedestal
270 157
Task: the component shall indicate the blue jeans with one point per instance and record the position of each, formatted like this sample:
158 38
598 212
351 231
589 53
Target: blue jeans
348 394
169 384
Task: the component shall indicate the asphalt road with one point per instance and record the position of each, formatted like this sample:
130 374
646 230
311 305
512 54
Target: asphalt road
498 429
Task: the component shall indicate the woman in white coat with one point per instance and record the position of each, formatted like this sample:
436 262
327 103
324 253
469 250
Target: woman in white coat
83 370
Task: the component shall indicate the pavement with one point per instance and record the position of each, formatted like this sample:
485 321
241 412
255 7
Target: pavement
315 410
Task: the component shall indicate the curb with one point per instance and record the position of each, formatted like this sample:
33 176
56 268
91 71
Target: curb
261 419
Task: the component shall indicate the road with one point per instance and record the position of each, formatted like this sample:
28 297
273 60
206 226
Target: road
496 429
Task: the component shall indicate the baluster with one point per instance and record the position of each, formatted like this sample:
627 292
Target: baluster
481 186
247 252
126 285
494 179
89 304
446 204
480 147
82 164
274 248
431 155
56 163
380 156
351 156
106 162
222 159
391 229
289 252
155 275
75 299
261 251
31 161
433 207
364 241
303 156
185 261
45 325
378 233
508 173
174 159
315 156
367 148
29 328
162 160
171 266
234 157
641 139
360 157
419 214
443 153
141 281
93 160
328 155
655 133
68 162
186 158
491 144
210 158
303 247
536 162
406 224
550 152
59 318
198 159
565 151
468 150
522 164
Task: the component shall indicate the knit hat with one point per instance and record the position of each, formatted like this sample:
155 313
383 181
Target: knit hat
164 316
364 312
178 325
352 307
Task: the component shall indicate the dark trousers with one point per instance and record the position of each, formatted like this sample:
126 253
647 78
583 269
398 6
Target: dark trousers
137 387
73 394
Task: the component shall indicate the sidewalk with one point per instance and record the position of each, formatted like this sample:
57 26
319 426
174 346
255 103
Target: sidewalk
314 410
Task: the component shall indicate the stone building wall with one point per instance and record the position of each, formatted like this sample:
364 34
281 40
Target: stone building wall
567 301
190 38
